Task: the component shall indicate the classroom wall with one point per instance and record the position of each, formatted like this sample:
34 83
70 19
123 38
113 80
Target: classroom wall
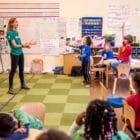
80 8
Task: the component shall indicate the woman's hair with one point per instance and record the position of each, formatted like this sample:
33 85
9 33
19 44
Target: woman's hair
136 79
88 40
6 124
129 38
53 134
10 23
100 122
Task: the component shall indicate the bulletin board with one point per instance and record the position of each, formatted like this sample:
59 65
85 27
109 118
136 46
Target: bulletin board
92 26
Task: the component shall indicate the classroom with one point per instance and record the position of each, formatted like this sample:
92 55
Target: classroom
71 54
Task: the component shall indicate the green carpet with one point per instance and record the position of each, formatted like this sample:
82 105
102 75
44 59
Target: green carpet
63 96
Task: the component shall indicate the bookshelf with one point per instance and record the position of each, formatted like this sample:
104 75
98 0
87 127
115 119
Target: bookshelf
136 52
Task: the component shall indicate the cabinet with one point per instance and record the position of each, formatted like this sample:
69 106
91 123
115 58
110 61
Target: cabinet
136 52
69 61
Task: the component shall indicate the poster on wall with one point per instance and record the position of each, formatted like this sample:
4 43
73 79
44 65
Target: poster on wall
92 26
119 21
49 36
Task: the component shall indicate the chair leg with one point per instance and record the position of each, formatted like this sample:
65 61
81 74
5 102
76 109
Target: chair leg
124 127
114 86
132 91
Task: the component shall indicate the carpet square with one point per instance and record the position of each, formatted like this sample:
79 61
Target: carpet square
68 118
77 85
43 81
63 81
53 119
58 92
55 107
74 108
36 91
61 86
35 98
77 99
55 99
41 85
85 92
10 107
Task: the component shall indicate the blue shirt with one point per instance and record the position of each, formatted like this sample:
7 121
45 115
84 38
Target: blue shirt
18 135
85 52
107 54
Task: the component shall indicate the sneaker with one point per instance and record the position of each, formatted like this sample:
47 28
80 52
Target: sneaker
87 85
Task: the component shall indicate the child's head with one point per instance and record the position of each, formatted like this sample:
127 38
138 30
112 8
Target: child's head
7 124
136 82
87 41
107 46
53 134
128 39
100 121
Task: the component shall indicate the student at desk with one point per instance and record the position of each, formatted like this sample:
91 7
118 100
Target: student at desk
106 53
124 56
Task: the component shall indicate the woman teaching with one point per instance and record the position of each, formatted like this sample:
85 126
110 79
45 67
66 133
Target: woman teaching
16 53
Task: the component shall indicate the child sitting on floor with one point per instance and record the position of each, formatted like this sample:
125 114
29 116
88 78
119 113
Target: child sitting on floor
17 125
100 123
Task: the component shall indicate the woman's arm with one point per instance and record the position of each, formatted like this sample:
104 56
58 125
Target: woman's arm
25 45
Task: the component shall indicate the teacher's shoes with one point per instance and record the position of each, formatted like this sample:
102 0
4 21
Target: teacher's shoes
24 86
11 91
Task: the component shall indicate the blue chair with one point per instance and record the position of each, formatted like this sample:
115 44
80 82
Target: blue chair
116 102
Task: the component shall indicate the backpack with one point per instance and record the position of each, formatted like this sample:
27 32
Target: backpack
76 71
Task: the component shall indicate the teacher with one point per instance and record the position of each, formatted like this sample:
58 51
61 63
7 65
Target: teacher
16 53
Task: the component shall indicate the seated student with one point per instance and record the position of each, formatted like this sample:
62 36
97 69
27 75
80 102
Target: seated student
134 100
100 123
53 134
106 53
10 129
20 119
124 56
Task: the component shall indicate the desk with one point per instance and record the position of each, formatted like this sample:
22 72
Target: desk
69 61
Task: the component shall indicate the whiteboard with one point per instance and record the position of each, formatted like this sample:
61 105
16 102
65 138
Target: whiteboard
43 31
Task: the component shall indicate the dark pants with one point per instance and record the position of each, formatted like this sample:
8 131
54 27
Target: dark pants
85 71
16 60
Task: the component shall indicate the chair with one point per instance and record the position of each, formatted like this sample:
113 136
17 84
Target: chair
36 109
129 114
116 102
123 73
96 59
103 91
